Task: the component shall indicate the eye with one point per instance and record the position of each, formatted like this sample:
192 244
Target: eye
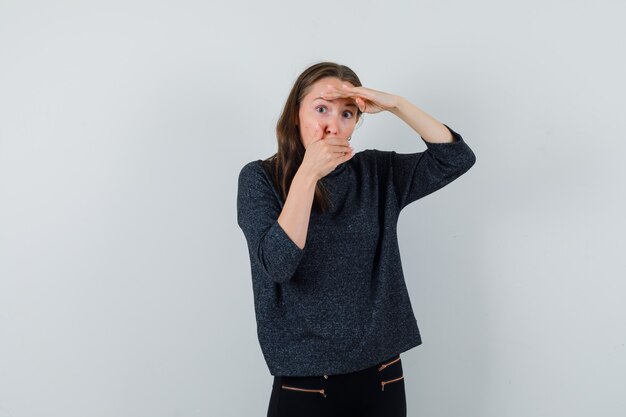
321 109
348 114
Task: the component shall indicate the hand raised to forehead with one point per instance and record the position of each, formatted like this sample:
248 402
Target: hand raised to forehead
368 100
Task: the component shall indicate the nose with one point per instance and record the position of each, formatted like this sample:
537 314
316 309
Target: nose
332 128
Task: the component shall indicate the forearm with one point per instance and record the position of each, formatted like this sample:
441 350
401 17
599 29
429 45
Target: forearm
424 124
295 215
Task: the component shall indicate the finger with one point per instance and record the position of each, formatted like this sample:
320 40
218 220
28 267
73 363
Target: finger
334 150
340 149
334 91
341 158
345 156
318 132
338 141
350 92
366 93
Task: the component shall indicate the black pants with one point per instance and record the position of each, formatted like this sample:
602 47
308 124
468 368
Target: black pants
372 392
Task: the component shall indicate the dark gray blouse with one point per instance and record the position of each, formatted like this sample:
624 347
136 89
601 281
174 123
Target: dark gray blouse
340 304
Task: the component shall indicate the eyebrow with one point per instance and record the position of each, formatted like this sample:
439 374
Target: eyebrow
347 104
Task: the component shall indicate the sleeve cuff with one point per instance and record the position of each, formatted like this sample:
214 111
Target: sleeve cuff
286 255
283 240
456 138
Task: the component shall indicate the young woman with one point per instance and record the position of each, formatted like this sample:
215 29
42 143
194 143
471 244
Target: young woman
332 308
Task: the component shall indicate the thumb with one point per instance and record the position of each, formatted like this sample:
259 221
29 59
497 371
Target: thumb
361 103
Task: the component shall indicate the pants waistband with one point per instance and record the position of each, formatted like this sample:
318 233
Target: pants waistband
372 369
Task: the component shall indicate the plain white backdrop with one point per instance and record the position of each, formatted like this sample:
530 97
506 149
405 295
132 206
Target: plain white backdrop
125 286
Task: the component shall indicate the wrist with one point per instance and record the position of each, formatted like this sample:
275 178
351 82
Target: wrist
305 176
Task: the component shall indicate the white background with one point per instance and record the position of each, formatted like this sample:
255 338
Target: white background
124 279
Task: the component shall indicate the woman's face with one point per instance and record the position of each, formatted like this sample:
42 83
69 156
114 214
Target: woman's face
321 119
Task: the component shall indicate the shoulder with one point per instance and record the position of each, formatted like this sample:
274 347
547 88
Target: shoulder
255 178
373 158
253 171
251 168
374 154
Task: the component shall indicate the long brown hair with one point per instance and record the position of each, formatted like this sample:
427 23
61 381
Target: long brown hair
285 162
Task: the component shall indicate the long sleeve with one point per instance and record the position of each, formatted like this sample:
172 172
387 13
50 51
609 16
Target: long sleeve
258 208
415 175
